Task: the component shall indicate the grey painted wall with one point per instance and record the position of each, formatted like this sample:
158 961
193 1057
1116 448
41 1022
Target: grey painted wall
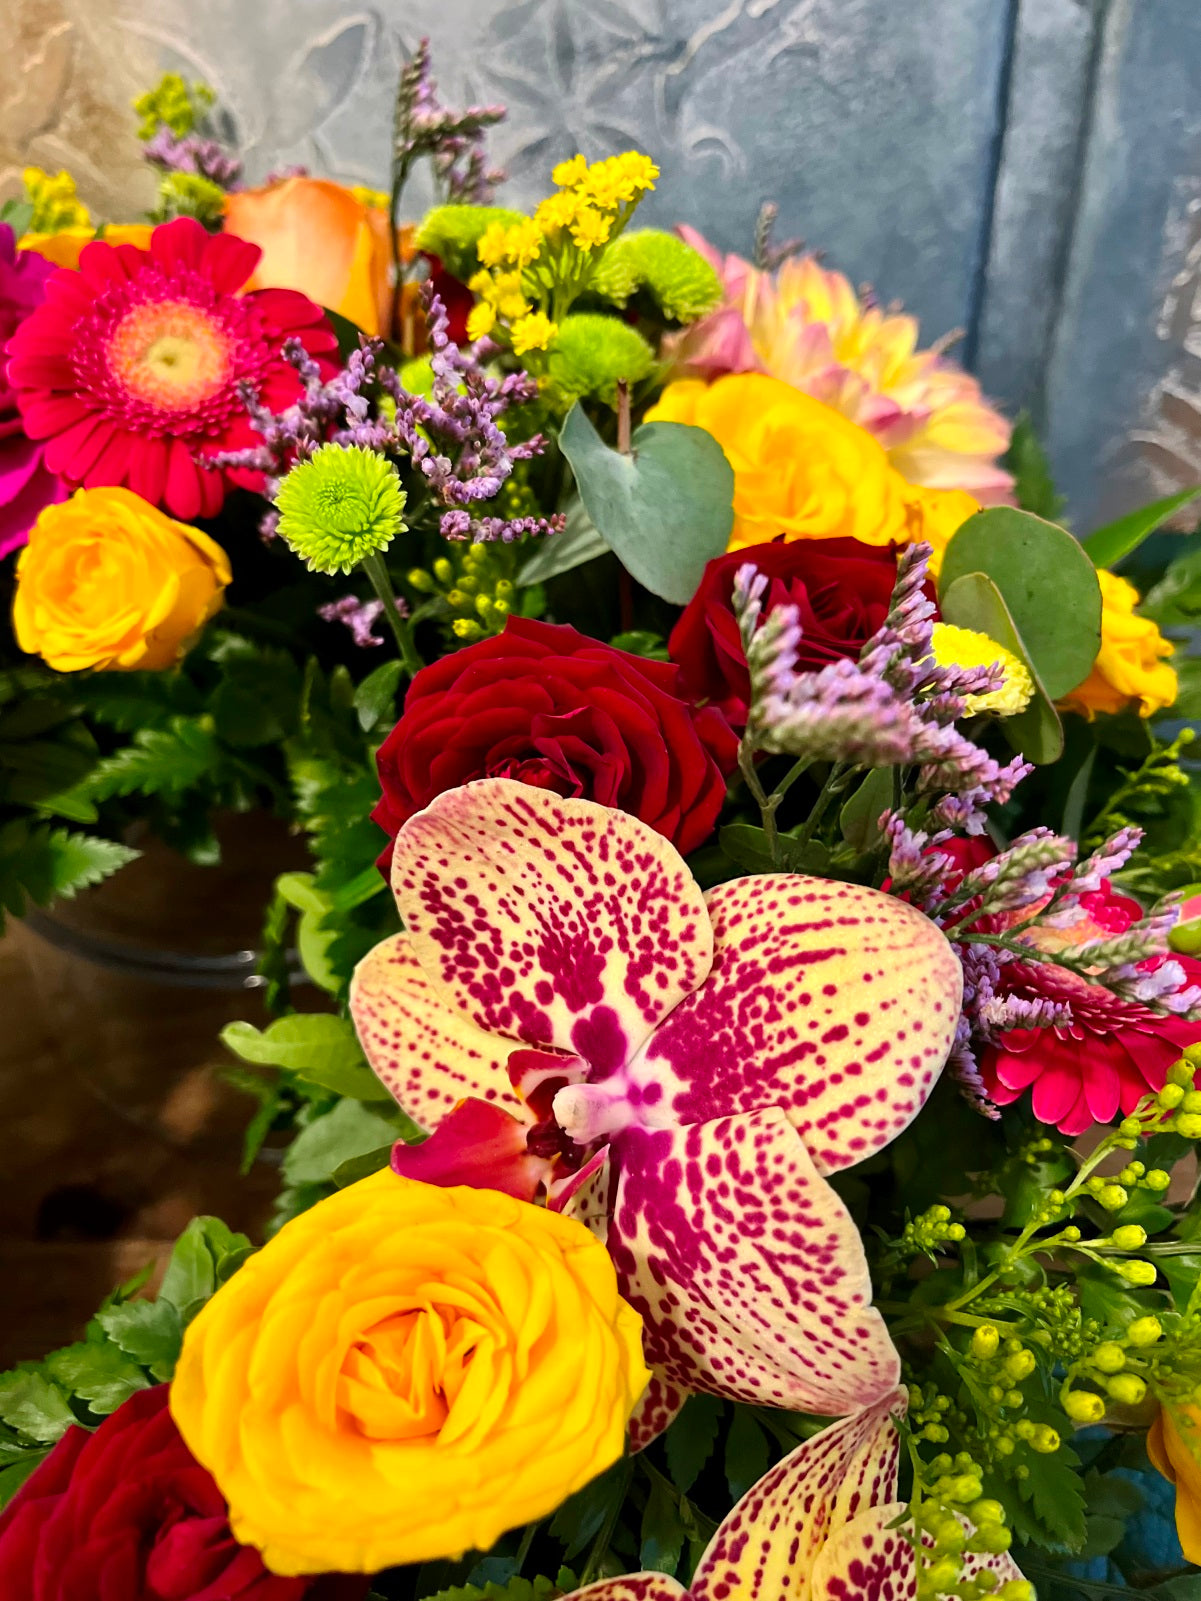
1028 171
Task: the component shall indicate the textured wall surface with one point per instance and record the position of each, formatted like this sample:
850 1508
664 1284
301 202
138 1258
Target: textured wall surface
1028 171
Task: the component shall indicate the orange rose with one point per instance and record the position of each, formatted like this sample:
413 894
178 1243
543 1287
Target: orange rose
109 581
64 247
330 242
1172 1444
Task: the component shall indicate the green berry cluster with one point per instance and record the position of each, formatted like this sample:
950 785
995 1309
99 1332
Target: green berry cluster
951 1519
928 1232
474 584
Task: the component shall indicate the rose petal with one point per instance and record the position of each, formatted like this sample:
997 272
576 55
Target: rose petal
426 1054
556 922
768 1545
746 1267
836 1002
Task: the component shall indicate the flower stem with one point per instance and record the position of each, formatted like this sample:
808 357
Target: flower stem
373 566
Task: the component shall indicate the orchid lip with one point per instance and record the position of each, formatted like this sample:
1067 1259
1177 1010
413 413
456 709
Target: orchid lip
590 1112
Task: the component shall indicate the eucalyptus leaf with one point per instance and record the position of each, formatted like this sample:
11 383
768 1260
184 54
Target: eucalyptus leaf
1106 546
1047 582
975 602
375 698
666 509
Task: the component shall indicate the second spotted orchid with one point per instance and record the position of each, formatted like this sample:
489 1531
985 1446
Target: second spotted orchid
568 1009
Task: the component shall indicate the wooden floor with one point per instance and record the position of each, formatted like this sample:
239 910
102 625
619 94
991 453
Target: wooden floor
117 1129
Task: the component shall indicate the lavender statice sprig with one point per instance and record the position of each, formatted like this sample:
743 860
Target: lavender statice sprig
193 153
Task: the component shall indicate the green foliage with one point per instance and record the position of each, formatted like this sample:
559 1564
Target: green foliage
452 232
691 1439
517 1589
1108 545
319 1050
348 1130
1175 601
675 480
592 354
1033 484
171 759
129 1345
747 1452
677 280
39 862
1046 581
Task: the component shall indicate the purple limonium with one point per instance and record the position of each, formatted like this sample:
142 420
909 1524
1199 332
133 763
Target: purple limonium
680 1069
453 140
453 439
360 616
193 153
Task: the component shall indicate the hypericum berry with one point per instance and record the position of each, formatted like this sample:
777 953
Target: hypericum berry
1130 1237
1144 1331
1188 1124
1171 1095
1082 1406
1157 1179
1127 1389
1109 1357
985 1342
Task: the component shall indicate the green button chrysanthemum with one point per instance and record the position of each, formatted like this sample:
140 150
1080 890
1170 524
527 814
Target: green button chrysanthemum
339 507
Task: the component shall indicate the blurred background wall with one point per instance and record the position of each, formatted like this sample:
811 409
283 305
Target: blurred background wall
1027 171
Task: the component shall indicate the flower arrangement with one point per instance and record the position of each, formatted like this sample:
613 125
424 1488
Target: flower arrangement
745 1142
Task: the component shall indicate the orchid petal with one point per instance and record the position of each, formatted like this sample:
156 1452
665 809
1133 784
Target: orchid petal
551 921
632 1587
478 1145
427 1055
746 1267
767 1547
658 1407
836 1002
865 1560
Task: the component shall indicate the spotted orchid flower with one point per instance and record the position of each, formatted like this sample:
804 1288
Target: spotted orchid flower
680 1070
822 1525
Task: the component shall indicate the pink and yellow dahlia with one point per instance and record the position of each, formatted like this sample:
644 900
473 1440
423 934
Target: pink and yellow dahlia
806 324
132 370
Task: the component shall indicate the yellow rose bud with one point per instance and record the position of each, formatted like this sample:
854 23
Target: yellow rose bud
108 580
404 1373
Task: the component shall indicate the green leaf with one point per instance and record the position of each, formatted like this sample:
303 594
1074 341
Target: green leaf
204 1256
675 482
18 214
349 1130
320 1048
149 1331
1027 461
1106 546
362 1167
1047 582
746 844
747 1453
859 818
313 936
975 602
560 553
538 1588
98 1373
159 761
375 698
34 1406
579 1520
257 701
662 1534
690 1440
1175 601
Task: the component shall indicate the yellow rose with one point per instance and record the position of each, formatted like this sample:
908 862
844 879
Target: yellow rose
404 1373
801 469
934 515
1130 664
107 580
1173 1441
65 247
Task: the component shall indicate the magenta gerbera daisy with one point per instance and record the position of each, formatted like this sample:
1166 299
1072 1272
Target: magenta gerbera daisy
131 370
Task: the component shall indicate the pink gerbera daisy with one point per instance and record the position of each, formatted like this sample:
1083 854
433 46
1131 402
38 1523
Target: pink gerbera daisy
131 369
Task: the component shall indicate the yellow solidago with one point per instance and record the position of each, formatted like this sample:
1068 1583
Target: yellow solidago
964 647
534 269
55 203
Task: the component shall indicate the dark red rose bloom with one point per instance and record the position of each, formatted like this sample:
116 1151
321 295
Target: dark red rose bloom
127 1514
840 587
548 706
455 297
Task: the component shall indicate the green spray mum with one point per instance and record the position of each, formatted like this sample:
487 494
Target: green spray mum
340 506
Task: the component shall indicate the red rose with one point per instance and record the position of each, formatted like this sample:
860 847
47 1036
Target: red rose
840 587
127 1514
550 707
